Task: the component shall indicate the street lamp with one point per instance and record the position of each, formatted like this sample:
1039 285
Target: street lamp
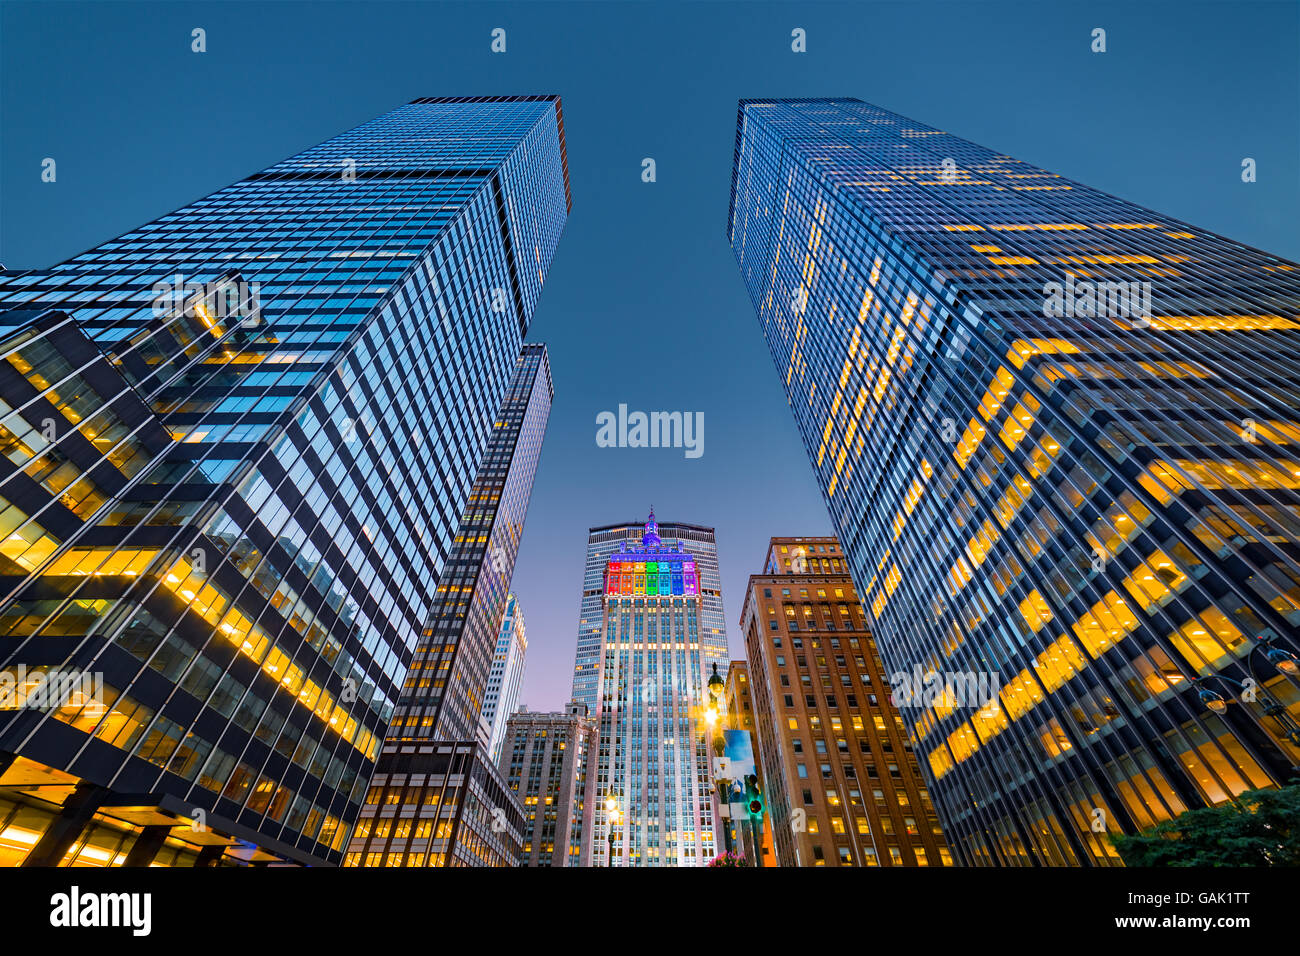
1280 657
613 815
716 683
711 716
713 713
1212 699
1285 662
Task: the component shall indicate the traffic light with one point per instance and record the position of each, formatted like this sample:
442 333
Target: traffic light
753 797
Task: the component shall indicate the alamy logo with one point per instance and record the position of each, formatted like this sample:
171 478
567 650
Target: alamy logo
953 689
1105 300
74 909
218 301
651 430
49 689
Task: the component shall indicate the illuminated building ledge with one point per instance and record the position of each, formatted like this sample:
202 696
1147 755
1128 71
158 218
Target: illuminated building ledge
455 809
652 569
52 818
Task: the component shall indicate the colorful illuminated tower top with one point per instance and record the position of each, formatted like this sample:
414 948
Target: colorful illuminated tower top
652 569
649 769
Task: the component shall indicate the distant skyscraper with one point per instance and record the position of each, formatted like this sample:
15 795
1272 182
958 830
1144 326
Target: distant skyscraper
1057 434
545 766
506 676
606 540
441 703
239 443
651 759
842 784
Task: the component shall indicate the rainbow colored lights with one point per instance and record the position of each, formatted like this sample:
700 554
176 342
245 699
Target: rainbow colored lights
634 575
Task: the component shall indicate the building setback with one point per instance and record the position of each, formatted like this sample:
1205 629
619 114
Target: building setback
842 782
1056 434
544 761
239 443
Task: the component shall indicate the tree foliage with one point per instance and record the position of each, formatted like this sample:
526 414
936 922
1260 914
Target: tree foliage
1259 828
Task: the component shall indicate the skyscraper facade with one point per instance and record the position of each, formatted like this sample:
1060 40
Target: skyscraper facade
606 540
506 677
545 766
448 806
239 443
842 783
651 759
1056 433
447 684
441 703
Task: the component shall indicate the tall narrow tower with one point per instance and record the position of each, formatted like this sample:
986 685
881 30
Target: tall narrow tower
506 677
649 787
437 798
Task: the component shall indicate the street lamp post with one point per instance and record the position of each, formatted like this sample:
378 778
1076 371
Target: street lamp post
1285 662
713 716
612 815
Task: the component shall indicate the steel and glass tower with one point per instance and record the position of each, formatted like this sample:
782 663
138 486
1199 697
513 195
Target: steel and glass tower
506 677
608 539
1057 436
649 792
420 811
240 441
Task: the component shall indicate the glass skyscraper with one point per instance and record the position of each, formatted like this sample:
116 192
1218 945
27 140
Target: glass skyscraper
608 539
506 676
419 810
239 444
651 758
1057 436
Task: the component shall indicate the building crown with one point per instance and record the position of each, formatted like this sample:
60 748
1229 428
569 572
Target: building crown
651 536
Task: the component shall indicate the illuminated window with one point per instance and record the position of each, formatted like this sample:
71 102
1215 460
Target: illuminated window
1208 641
1035 611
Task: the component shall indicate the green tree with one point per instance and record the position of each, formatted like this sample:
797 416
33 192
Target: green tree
1259 828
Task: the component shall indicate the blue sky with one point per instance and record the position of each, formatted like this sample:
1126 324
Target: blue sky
644 304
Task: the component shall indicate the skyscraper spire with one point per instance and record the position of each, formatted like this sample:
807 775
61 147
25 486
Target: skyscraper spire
651 536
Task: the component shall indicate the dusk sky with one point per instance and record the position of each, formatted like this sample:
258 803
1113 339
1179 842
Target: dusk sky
644 305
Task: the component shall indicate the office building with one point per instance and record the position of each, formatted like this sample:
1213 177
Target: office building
739 703
608 539
544 761
841 780
1056 434
649 784
440 708
506 677
239 441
